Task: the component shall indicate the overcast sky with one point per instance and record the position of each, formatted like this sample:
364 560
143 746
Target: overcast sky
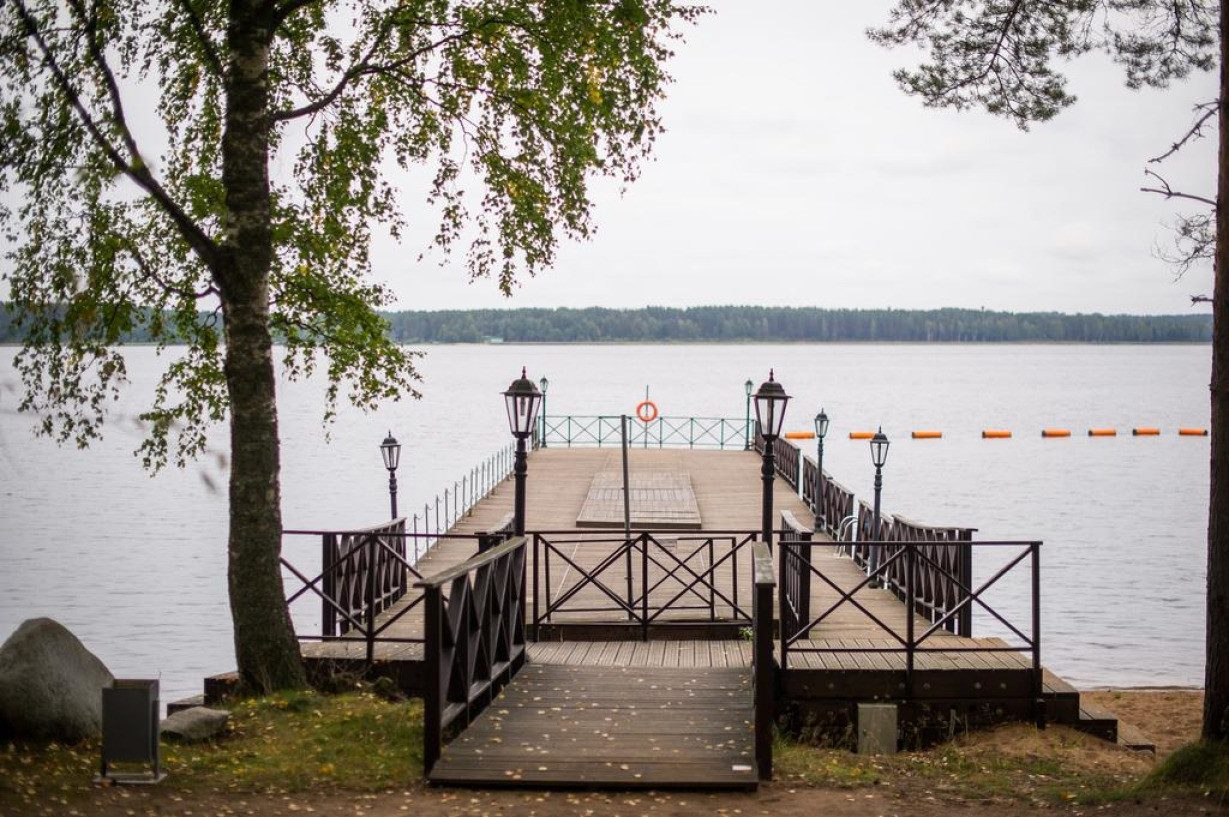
795 172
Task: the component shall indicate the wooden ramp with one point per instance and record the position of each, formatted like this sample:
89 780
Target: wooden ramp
610 727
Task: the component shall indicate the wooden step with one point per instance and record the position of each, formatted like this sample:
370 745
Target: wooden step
1132 738
1097 721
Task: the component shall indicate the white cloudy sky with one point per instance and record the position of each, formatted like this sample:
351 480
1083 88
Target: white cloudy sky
795 172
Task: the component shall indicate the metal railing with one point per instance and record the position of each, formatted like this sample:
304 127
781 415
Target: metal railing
911 559
640 578
662 432
452 504
474 639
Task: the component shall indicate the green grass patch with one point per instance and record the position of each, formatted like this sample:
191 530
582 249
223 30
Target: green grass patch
281 743
1200 768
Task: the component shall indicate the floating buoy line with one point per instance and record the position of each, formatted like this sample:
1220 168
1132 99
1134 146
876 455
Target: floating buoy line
1006 434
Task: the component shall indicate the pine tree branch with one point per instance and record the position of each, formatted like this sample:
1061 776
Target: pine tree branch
1169 193
1210 109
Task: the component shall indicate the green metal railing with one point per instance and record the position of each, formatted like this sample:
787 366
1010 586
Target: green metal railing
662 432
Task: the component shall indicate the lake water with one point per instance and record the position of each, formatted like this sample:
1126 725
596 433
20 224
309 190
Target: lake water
136 566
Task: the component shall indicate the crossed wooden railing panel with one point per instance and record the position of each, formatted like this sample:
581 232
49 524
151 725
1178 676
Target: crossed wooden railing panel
947 568
640 578
474 638
910 561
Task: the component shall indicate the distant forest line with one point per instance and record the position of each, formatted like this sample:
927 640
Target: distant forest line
731 324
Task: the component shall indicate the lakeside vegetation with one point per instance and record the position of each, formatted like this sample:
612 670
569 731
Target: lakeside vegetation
736 324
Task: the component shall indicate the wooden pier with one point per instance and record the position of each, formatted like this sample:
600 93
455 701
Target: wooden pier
581 656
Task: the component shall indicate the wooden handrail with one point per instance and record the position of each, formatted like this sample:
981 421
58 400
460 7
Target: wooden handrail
472 563
499 532
474 639
913 524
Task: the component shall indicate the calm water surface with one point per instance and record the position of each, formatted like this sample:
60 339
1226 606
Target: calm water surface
136 565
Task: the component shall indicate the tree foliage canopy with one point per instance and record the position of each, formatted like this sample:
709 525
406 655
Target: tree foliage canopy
114 173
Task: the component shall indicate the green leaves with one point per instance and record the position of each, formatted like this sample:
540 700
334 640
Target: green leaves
510 108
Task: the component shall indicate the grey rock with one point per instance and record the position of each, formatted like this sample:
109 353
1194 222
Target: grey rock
50 684
195 724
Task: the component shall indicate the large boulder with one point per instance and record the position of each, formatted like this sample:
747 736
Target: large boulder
197 723
50 684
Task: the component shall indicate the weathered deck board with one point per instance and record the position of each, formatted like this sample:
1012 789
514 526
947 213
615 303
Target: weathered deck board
627 727
657 500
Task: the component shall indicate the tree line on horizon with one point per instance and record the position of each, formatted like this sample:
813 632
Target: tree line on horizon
755 324
758 323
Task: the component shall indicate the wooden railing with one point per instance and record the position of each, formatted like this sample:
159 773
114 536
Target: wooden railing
763 675
363 584
947 568
364 574
794 594
641 578
474 639
829 500
911 561
497 534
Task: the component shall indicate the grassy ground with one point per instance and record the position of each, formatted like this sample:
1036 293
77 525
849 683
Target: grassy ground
281 744
305 752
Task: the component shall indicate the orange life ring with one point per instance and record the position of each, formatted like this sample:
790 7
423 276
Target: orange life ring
647 411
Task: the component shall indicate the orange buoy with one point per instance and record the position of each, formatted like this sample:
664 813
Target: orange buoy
646 411
861 435
1193 432
1102 432
1055 432
1146 432
927 435
800 435
995 434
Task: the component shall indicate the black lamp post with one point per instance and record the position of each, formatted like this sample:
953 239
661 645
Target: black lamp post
821 431
879 455
543 383
522 400
747 426
390 450
770 402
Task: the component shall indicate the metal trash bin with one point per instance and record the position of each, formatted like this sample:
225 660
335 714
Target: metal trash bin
130 731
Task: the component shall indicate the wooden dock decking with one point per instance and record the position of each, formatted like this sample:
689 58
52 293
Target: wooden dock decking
590 647
627 727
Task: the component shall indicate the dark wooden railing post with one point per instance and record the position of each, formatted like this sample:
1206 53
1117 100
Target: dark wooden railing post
762 638
644 586
328 559
965 623
910 614
1039 703
433 680
537 619
372 554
